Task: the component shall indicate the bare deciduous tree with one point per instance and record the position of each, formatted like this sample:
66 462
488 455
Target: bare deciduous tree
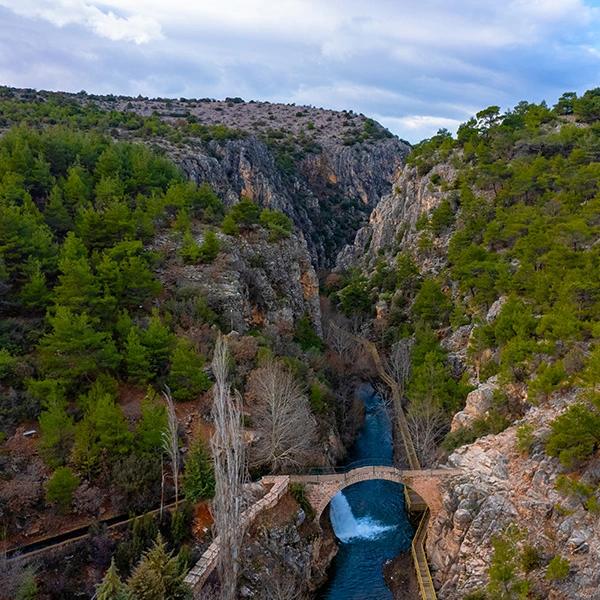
283 419
426 423
228 455
339 339
170 439
398 363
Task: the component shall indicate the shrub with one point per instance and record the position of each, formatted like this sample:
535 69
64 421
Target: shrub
245 213
557 569
60 488
210 247
229 226
278 225
525 437
187 378
530 558
318 394
442 217
306 336
431 305
575 434
299 494
548 379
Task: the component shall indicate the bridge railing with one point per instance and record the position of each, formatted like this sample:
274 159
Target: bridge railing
334 470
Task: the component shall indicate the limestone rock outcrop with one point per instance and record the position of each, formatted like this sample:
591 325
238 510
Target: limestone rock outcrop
501 486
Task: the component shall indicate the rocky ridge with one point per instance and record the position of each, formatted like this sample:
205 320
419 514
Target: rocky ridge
253 282
392 225
325 169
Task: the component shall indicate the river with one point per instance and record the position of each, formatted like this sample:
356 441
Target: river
368 518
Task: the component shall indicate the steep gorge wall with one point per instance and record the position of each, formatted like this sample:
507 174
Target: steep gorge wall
500 485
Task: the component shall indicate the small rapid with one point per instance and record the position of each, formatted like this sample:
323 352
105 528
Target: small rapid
347 527
368 518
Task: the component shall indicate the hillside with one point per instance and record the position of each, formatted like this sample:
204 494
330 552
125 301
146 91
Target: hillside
325 169
485 258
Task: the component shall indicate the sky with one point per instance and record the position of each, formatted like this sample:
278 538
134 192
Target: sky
414 65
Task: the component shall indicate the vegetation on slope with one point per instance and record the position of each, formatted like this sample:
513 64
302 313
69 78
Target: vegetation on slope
521 222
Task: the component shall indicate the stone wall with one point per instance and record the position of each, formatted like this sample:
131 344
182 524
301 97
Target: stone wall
200 572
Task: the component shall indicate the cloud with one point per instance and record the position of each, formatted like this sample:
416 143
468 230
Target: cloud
417 65
137 28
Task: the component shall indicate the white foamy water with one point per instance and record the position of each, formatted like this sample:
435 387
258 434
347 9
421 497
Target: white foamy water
347 527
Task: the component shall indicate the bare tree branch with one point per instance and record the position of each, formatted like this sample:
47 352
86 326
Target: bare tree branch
397 364
426 423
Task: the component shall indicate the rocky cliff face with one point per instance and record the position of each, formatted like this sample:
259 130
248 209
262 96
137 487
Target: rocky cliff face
325 169
253 282
392 223
328 195
500 486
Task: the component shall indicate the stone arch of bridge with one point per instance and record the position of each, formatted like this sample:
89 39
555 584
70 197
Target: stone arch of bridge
321 489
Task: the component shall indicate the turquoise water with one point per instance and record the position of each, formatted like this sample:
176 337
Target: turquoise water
369 518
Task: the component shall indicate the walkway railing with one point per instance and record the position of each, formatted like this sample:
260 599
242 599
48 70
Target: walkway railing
424 580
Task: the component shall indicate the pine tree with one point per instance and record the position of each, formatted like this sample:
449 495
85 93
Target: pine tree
74 348
151 426
75 190
189 251
77 287
56 214
35 293
60 488
102 434
158 340
158 576
198 474
210 247
137 359
145 583
186 376
111 587
57 430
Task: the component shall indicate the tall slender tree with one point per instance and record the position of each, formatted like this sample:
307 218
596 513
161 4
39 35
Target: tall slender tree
228 455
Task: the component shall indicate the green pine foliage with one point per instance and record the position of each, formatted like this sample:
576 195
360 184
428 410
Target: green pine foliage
159 575
57 432
276 223
198 475
102 436
506 580
76 213
60 488
111 587
209 248
521 215
557 569
186 376
306 336
137 358
151 427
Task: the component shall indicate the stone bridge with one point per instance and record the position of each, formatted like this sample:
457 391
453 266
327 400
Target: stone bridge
422 485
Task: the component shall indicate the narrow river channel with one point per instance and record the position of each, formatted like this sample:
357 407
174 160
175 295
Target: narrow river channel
369 518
